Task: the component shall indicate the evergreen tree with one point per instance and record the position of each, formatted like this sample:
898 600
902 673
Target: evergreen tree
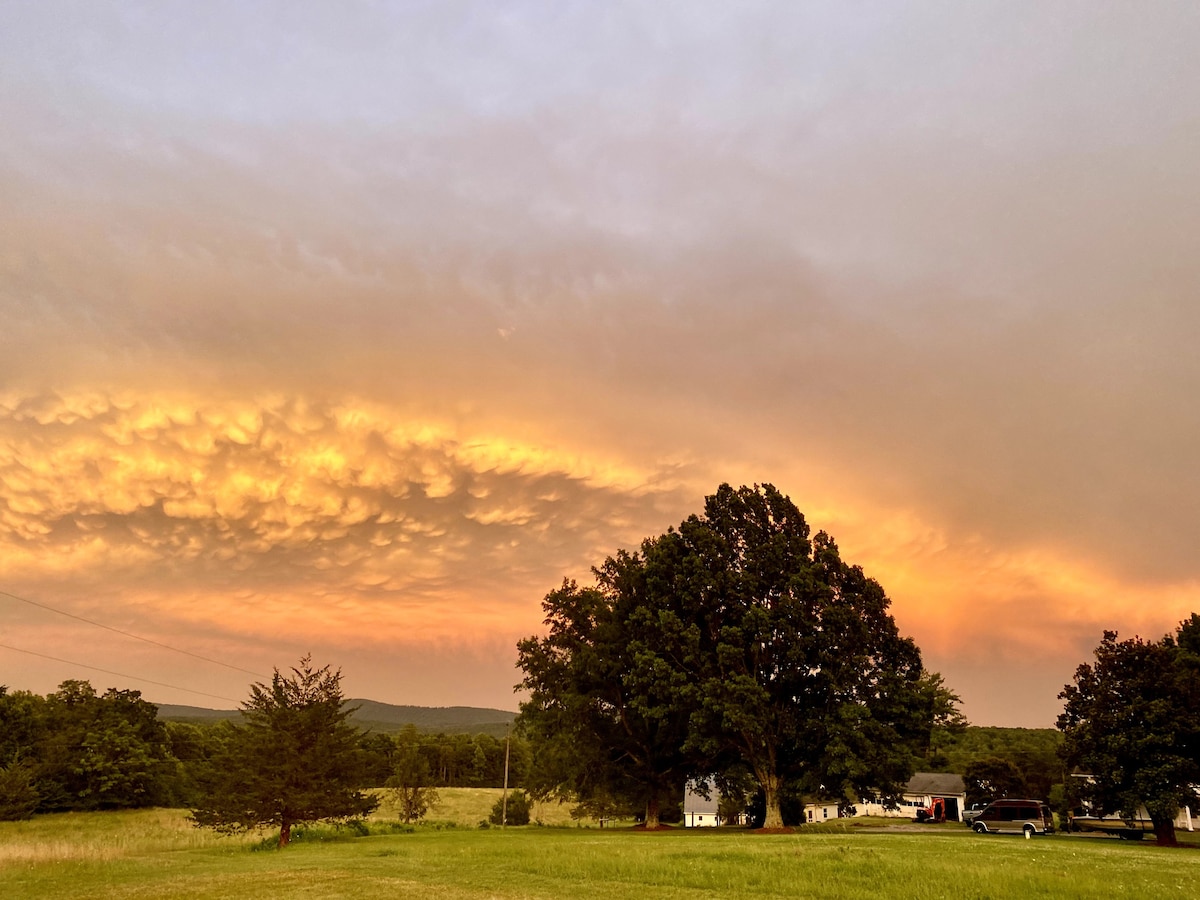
513 809
18 795
294 760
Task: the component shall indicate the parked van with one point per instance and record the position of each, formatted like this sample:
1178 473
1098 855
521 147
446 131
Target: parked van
1019 816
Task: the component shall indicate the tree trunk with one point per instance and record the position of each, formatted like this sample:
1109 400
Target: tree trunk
285 834
770 786
652 812
1164 832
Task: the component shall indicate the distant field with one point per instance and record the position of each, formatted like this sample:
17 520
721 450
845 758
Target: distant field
155 853
467 807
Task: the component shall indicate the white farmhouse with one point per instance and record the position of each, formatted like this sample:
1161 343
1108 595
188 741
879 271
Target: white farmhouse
699 812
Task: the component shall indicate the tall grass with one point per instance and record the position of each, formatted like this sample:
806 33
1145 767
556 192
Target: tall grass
104 836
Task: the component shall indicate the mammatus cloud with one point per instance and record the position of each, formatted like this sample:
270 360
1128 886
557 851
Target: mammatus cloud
358 522
378 334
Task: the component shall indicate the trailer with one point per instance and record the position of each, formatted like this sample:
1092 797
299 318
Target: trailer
1125 829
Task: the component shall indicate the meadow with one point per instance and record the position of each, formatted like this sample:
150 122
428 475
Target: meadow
156 853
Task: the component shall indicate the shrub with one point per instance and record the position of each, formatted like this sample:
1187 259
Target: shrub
517 810
18 795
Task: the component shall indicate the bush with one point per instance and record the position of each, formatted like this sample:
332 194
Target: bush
319 834
18 795
517 810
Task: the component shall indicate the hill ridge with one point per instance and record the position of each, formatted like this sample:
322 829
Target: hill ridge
375 716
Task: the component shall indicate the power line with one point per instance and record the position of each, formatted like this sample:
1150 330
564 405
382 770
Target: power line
71 662
136 637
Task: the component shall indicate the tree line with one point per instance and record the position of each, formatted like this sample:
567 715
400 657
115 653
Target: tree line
76 749
1002 762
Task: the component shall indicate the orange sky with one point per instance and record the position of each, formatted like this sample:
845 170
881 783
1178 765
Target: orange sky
355 330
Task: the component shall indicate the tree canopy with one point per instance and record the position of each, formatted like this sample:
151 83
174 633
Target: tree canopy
294 760
734 640
1034 752
1131 721
603 723
992 778
411 779
78 750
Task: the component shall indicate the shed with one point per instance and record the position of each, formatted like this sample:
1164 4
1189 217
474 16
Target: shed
820 811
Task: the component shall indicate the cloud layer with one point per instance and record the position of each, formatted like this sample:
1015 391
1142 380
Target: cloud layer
369 326
281 501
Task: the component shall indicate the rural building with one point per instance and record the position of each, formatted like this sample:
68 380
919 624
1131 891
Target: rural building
699 812
920 792
821 811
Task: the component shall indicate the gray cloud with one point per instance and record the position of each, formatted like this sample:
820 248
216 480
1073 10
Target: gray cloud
933 265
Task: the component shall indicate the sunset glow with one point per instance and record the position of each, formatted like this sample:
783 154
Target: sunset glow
355 329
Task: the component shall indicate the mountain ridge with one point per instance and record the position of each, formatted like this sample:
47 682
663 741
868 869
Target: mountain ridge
375 715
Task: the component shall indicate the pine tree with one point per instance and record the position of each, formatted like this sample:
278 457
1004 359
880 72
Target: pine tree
294 760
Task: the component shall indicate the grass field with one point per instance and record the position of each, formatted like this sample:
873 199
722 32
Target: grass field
155 853
469 806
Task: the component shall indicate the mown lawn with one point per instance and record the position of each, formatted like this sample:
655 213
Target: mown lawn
155 853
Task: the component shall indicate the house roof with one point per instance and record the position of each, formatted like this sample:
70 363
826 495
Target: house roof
695 803
935 783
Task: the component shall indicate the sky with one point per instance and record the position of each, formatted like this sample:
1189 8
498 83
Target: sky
353 329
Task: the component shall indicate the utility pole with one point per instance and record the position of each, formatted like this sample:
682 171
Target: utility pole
504 796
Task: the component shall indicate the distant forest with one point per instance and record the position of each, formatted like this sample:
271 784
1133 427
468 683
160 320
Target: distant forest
997 762
77 749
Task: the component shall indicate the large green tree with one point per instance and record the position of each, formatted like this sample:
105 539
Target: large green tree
294 759
734 640
22 724
1131 721
603 716
795 666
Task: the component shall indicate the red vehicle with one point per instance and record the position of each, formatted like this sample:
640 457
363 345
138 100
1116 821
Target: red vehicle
935 812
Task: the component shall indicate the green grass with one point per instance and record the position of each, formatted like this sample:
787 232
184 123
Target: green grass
155 853
467 807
